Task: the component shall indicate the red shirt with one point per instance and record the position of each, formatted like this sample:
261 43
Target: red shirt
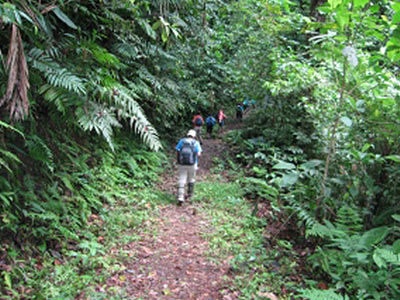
195 118
221 116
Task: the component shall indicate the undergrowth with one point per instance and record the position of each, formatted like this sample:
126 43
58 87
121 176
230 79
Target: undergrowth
240 237
97 203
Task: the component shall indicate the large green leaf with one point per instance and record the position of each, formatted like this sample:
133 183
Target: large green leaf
147 28
396 247
374 236
284 166
289 179
360 3
64 18
311 164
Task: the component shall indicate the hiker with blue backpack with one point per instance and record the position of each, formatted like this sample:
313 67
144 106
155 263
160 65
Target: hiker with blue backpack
188 151
210 122
198 121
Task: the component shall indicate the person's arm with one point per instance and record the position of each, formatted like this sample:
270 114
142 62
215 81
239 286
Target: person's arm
198 149
178 148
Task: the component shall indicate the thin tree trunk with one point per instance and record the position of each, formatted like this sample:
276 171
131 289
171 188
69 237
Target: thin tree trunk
332 142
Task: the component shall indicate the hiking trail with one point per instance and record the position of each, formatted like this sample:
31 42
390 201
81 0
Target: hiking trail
174 264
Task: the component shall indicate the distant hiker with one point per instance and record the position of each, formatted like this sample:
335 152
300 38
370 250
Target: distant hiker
198 121
188 151
239 112
210 122
253 103
220 118
246 104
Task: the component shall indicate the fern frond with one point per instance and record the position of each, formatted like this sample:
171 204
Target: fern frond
303 214
349 219
141 88
99 118
137 119
55 74
127 50
382 257
65 79
104 57
39 151
147 76
6 156
8 126
313 294
60 97
171 85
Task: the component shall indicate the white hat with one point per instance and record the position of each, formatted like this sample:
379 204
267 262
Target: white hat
191 133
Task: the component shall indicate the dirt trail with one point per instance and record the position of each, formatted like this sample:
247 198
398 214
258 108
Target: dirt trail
174 265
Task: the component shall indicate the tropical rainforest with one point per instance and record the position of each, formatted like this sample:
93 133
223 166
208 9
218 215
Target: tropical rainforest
95 94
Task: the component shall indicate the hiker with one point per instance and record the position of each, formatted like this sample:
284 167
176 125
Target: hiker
198 121
245 104
210 122
253 103
221 117
239 112
188 151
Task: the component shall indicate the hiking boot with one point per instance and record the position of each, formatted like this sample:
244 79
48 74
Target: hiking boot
190 189
180 195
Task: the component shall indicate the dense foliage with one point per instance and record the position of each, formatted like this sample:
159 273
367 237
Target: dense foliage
132 65
89 88
323 142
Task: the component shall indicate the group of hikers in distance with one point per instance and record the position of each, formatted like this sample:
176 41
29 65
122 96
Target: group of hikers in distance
241 107
188 149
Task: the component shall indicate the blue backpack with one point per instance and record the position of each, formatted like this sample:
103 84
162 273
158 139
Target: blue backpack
198 121
187 156
210 121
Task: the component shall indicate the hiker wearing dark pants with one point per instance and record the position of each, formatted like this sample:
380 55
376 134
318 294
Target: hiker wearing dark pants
188 151
198 121
210 122
239 112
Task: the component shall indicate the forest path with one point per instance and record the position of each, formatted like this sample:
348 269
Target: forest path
174 264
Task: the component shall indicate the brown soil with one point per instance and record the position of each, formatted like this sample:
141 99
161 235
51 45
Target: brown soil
175 264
